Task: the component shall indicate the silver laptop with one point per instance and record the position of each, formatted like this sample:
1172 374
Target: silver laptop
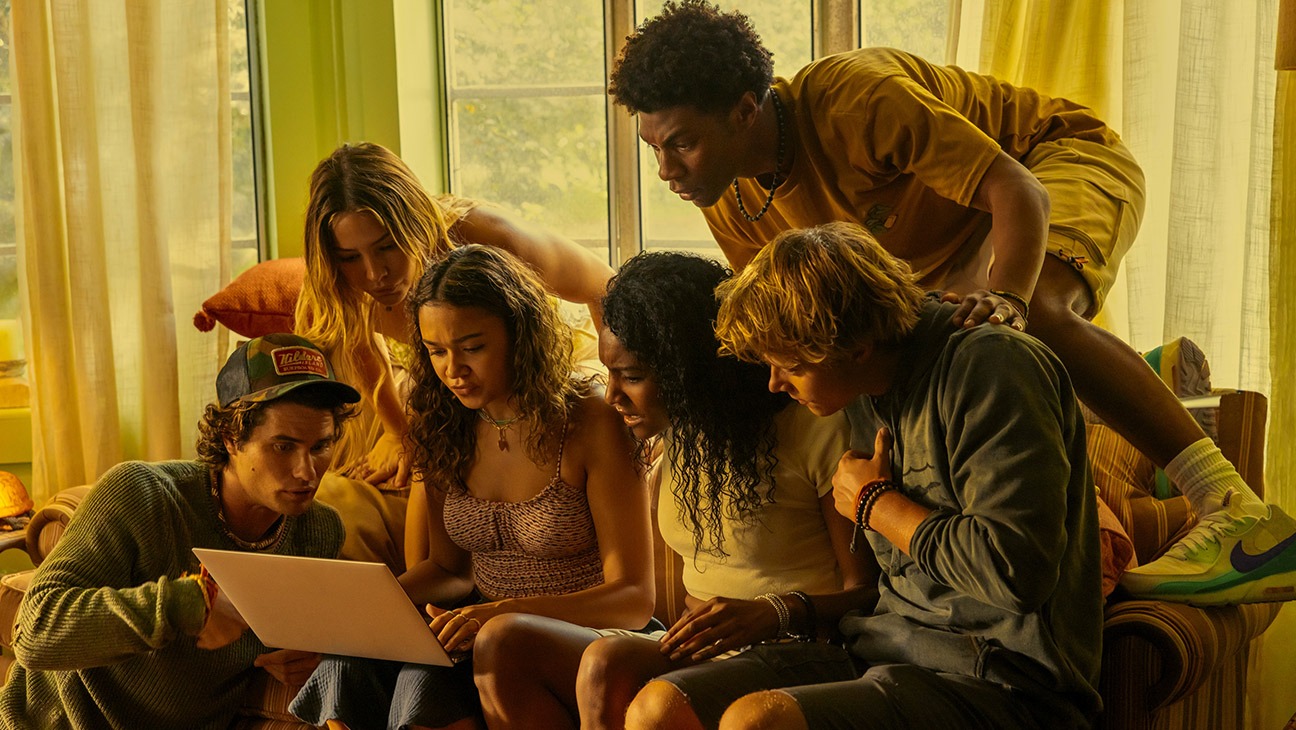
329 606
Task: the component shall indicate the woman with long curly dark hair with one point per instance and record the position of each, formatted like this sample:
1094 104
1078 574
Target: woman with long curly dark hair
535 506
744 497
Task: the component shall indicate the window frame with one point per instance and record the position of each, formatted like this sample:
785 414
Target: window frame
835 27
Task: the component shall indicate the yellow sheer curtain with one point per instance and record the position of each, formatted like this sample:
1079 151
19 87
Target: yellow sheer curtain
122 146
1272 699
1191 88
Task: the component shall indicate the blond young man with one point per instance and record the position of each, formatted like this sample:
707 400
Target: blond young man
968 479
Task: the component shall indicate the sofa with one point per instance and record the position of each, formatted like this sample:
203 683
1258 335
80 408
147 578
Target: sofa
1164 665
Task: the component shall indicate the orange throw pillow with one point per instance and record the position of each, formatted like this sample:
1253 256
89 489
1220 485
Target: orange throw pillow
260 301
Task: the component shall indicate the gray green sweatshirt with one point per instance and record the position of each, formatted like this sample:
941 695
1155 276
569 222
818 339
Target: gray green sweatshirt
105 635
1004 583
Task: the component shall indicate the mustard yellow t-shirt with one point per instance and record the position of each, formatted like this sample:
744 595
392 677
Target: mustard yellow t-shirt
786 547
899 145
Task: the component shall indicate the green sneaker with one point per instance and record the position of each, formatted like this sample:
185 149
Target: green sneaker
1228 558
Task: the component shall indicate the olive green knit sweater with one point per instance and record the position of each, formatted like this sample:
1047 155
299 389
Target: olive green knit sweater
105 635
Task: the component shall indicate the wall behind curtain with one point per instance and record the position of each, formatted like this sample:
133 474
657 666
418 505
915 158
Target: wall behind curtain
1190 86
122 144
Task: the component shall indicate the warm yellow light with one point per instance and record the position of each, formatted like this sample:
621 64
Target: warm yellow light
1285 53
14 499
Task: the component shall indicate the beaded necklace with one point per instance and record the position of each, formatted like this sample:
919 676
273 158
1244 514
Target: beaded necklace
778 167
265 543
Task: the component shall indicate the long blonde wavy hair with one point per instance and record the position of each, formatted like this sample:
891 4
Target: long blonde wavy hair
363 177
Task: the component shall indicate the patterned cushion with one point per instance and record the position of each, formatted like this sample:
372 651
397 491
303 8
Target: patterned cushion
1124 477
1170 650
49 522
267 698
12 589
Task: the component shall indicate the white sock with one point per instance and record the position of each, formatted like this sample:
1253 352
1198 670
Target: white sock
1203 474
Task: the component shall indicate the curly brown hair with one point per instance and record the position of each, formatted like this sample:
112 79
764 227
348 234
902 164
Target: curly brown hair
443 431
692 54
236 421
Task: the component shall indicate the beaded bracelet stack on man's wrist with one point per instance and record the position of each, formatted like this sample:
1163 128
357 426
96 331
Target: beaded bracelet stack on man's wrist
866 500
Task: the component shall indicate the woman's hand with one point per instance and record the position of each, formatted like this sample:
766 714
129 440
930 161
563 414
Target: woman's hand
719 625
386 465
457 628
986 306
854 470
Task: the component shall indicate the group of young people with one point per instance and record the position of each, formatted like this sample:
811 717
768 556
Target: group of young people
880 495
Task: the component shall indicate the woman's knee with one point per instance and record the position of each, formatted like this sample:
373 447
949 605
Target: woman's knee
501 638
603 657
660 704
768 710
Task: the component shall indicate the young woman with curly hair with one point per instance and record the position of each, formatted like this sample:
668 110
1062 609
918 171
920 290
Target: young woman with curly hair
744 496
535 506
371 230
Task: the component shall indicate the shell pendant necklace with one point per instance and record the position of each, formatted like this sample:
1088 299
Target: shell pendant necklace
501 427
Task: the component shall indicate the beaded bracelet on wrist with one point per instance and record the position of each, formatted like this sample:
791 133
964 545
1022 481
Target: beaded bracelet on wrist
780 608
1018 301
809 629
868 494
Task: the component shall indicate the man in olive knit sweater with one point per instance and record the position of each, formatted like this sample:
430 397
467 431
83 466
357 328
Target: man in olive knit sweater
121 627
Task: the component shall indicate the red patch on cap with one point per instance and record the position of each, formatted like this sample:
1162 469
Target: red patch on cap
298 361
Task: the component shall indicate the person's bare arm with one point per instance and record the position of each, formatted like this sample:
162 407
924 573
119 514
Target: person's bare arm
570 270
386 461
1019 211
444 577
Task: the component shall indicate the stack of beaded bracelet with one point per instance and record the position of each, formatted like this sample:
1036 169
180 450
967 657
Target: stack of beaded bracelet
784 615
864 502
1018 302
809 629
207 584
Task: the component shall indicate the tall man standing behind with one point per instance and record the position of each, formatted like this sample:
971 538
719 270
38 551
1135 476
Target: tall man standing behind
1022 203
121 627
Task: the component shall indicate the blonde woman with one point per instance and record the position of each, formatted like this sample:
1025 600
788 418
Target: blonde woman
371 230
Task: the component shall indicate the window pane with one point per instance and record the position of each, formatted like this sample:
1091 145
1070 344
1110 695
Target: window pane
917 26
528 127
238 40
671 223
544 158
244 203
525 42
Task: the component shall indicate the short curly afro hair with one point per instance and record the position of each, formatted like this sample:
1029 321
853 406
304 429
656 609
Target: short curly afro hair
691 55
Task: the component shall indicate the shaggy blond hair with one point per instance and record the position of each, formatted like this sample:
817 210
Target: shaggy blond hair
817 293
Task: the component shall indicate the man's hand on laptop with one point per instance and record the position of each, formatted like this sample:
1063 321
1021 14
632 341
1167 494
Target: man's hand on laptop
291 667
224 624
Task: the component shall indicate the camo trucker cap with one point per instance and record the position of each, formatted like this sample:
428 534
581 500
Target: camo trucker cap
268 367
